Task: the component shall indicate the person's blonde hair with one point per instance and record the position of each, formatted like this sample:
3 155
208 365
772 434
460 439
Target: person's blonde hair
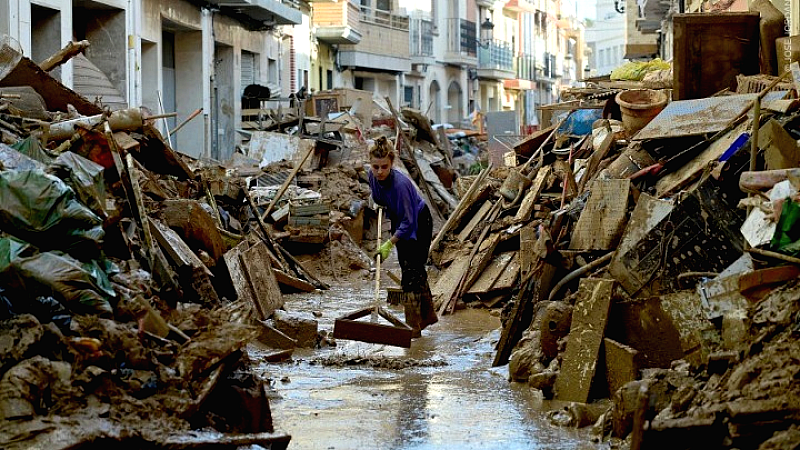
383 148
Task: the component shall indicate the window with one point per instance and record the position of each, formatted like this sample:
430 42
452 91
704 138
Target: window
329 79
408 95
249 69
272 70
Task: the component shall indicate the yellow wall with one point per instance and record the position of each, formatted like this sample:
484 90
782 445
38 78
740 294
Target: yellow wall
323 59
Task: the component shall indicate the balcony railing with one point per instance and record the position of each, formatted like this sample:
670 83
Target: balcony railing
462 37
497 56
526 67
384 18
421 31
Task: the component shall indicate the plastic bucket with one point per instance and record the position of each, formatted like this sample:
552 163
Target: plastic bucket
639 107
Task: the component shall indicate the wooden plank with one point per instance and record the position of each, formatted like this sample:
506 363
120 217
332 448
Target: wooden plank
292 282
476 219
237 272
277 440
125 141
622 364
527 243
375 333
175 248
194 276
597 156
535 190
258 267
309 210
487 280
447 283
603 219
476 191
136 191
481 260
508 278
586 334
534 289
672 182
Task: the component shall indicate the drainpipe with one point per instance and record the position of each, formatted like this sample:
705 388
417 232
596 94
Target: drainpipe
292 67
207 23
134 75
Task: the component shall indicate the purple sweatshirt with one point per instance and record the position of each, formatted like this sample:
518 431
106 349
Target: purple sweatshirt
402 201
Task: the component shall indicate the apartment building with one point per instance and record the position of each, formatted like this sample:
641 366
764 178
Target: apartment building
605 37
491 55
447 58
170 56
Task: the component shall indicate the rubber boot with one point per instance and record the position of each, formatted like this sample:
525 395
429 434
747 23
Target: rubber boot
427 313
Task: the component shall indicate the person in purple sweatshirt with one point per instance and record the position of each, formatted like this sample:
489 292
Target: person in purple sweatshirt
412 228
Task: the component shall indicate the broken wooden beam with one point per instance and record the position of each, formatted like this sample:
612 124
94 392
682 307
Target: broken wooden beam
65 54
190 268
291 282
463 205
258 272
534 191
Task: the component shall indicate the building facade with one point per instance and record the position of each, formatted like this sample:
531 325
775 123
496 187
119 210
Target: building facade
605 38
169 56
447 58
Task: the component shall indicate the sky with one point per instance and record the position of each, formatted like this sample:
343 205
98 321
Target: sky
585 8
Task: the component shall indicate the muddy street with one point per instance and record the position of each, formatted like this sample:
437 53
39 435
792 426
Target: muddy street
354 396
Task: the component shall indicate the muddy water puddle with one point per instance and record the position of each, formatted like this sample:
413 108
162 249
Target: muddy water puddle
445 396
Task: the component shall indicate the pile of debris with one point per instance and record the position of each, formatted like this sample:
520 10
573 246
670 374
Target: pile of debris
133 277
312 186
653 261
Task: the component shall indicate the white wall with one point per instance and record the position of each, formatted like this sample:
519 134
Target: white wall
15 20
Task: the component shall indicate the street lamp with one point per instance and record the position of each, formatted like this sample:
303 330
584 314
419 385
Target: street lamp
487 31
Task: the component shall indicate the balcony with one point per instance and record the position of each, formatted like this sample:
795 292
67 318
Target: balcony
520 6
525 68
421 39
462 42
384 18
272 12
496 61
385 42
337 23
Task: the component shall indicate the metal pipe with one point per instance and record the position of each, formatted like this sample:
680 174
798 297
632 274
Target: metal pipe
577 273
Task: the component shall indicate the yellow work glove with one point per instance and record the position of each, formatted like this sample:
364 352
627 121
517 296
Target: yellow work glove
384 249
